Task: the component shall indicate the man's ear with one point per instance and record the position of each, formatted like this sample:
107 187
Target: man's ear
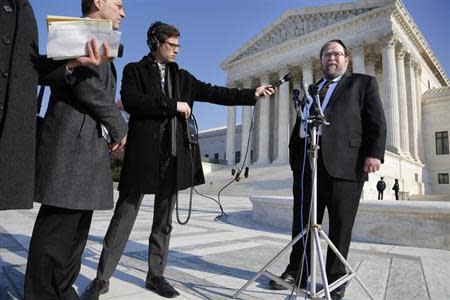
98 4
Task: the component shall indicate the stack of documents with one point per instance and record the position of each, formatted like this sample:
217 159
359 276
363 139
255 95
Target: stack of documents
67 36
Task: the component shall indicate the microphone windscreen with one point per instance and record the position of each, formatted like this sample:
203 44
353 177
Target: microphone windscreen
287 77
120 52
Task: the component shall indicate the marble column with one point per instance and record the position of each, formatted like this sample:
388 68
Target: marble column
358 59
403 107
370 64
231 135
412 106
264 121
307 71
246 124
283 120
390 92
418 82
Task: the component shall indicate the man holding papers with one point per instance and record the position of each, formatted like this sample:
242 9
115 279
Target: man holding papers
20 68
73 169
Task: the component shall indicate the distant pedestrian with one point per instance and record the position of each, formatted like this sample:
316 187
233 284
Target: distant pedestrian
246 172
396 188
233 171
381 186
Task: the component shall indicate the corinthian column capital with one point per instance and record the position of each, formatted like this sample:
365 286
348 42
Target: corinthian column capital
400 51
389 39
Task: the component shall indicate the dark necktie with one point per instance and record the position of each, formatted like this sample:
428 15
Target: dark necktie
324 89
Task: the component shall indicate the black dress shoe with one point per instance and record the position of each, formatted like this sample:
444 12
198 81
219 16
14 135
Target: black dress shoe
286 277
96 288
338 293
162 287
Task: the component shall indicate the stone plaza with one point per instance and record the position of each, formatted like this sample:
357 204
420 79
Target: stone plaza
212 260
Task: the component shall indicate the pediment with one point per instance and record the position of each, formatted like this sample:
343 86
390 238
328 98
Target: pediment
295 24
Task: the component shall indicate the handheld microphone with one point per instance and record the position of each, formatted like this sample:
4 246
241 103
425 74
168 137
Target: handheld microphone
285 78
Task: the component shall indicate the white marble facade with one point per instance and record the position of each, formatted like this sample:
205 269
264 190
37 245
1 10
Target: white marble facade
383 41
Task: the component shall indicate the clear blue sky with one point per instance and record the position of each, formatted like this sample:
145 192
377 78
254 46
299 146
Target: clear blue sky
211 30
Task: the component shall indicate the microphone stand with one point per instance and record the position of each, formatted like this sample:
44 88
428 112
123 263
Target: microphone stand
315 120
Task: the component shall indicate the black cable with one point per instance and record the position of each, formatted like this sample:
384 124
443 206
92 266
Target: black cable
190 196
218 202
238 172
192 159
200 194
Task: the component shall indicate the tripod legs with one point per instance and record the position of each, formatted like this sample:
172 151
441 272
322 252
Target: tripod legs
267 266
315 232
327 288
347 265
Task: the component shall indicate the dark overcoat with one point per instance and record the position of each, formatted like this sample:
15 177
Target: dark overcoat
18 81
148 107
73 165
357 129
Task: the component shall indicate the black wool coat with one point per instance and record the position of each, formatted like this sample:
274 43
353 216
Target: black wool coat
148 107
18 81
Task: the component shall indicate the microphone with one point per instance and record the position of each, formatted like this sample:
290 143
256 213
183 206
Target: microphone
296 99
120 52
299 104
285 78
313 90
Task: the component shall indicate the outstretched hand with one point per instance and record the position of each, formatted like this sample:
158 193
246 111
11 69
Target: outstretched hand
263 91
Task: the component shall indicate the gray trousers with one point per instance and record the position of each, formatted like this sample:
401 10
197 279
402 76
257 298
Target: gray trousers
120 227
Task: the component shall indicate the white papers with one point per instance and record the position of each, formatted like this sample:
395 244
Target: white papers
67 37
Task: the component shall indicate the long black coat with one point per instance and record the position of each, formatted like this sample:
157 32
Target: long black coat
357 129
18 81
148 107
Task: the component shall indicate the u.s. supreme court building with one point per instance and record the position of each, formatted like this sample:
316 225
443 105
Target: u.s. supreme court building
384 42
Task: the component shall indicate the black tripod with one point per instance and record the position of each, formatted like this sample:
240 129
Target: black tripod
315 121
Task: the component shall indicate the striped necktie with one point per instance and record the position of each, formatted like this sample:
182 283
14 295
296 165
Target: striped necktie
324 89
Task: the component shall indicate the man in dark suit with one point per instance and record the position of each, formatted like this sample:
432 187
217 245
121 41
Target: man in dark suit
73 174
350 147
381 186
159 98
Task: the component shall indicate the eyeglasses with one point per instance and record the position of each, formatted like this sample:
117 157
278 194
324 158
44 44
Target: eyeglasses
172 45
335 54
